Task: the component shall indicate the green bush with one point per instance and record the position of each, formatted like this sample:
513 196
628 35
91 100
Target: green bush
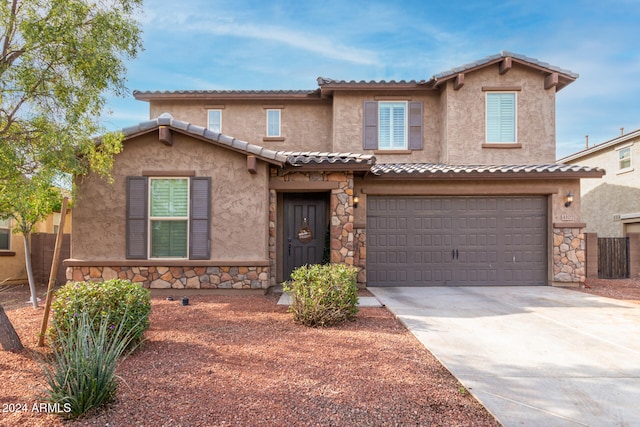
82 376
323 295
119 301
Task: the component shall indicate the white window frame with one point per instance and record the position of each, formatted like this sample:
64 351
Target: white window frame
271 131
405 143
5 224
209 125
621 150
515 116
151 218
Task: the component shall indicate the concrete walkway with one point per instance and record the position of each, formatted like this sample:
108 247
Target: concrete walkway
534 356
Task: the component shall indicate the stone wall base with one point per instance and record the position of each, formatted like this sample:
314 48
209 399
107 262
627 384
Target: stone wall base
568 256
178 277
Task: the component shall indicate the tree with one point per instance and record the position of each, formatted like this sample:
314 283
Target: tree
58 59
30 200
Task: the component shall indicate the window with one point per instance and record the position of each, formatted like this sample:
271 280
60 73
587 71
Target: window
501 117
214 120
273 123
5 234
392 125
168 217
624 157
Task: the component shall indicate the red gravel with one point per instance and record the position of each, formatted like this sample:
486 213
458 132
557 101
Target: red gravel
241 361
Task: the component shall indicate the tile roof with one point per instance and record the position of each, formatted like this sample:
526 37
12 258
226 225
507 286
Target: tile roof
159 94
326 81
300 158
503 54
220 139
442 170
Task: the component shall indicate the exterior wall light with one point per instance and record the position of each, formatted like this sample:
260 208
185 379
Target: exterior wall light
568 199
356 200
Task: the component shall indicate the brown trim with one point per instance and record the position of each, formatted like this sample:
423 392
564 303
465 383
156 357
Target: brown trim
392 151
569 224
155 173
7 253
273 138
501 88
273 107
505 65
165 135
215 107
502 145
541 191
305 186
392 98
164 263
458 82
551 81
252 165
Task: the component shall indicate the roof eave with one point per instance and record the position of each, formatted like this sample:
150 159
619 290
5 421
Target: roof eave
467 176
186 96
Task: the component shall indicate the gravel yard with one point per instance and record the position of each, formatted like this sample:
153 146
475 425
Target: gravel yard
240 360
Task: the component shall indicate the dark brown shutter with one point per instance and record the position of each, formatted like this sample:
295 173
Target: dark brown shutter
199 235
136 217
370 139
415 126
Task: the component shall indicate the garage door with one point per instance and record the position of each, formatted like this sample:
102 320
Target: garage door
426 241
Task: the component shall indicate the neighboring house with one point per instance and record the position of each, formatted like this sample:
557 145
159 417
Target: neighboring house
611 205
12 256
444 181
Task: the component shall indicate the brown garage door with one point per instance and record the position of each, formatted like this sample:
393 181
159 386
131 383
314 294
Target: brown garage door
428 241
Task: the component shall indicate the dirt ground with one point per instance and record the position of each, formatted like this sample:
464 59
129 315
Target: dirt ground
241 360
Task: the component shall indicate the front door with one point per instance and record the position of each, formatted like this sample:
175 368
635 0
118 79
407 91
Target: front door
305 227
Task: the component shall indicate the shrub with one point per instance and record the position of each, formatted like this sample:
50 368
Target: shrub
82 376
119 301
323 295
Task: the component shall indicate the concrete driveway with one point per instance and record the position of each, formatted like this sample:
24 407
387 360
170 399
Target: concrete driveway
534 356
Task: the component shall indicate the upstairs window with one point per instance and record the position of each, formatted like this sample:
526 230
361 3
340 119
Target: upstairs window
273 123
393 125
501 117
5 234
214 120
392 119
624 159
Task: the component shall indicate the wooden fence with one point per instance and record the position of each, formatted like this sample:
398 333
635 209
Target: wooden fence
613 257
42 246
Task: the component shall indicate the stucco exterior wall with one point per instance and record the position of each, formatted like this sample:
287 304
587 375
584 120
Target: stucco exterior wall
239 200
348 125
614 194
12 263
465 110
304 125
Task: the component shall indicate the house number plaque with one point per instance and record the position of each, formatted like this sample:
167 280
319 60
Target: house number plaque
304 233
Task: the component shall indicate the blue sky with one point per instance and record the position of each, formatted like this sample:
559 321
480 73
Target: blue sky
287 44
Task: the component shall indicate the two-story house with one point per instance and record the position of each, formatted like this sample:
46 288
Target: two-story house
611 205
443 181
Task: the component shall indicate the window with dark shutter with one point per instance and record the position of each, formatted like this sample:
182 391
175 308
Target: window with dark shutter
370 141
388 126
415 126
136 230
199 234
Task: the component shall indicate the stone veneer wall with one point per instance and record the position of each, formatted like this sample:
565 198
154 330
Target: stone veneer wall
341 214
178 277
569 255
361 255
